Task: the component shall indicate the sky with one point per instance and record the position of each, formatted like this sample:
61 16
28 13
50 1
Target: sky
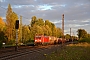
76 12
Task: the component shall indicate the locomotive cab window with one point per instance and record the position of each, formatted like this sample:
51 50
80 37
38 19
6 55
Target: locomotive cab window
38 37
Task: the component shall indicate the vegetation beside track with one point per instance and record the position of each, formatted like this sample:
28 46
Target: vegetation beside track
71 52
84 40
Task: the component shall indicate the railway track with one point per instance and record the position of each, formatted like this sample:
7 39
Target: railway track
19 53
26 51
12 49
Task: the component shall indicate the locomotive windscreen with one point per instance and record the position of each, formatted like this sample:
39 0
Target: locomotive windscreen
38 37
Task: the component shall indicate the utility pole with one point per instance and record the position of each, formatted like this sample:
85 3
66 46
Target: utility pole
70 33
73 37
21 28
62 28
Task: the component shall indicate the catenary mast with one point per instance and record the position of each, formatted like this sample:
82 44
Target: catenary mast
62 28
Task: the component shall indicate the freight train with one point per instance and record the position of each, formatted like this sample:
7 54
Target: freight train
45 40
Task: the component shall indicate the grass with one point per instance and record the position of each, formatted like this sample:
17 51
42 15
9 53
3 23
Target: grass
84 40
72 52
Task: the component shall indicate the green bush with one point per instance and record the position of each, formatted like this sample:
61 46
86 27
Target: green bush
0 44
85 40
29 41
11 42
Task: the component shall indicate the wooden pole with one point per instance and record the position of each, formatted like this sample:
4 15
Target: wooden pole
21 28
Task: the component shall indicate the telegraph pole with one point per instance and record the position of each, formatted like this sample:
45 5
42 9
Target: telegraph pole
62 28
21 28
73 37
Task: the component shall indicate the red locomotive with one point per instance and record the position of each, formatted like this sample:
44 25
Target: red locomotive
44 40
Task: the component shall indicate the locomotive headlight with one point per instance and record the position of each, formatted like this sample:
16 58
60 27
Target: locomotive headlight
40 40
35 40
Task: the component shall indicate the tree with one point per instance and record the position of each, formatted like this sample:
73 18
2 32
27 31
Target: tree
58 32
47 22
51 26
48 31
2 24
26 34
40 22
67 36
11 17
36 30
88 35
2 30
82 33
53 29
33 21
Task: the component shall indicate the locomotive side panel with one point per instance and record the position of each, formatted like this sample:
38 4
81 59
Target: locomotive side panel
45 40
